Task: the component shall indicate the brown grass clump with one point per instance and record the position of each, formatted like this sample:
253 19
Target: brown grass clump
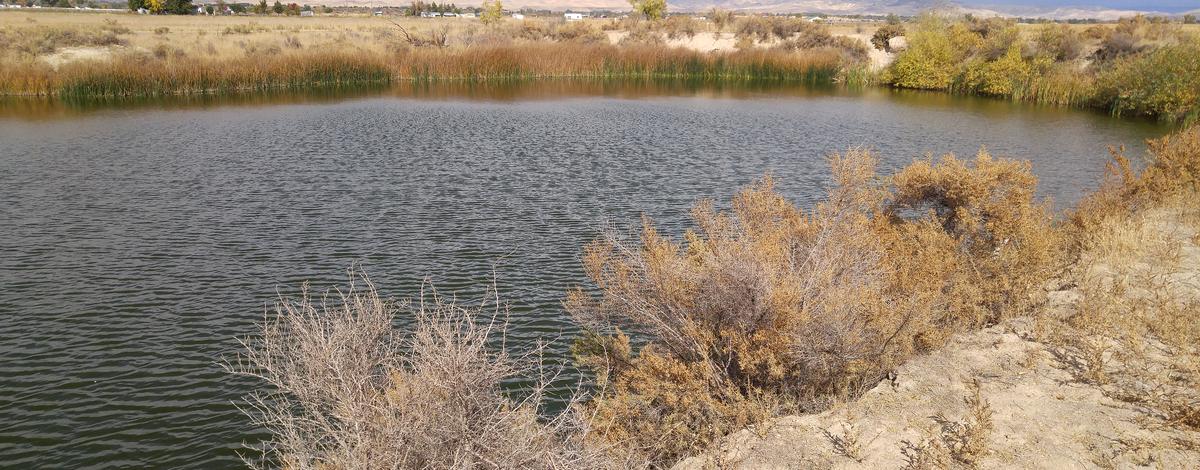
1172 172
1134 330
771 308
347 390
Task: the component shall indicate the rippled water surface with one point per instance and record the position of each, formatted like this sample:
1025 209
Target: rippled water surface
137 242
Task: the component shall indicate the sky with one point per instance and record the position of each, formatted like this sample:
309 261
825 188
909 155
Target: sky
1148 5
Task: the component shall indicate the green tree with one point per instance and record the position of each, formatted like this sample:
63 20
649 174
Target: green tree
178 7
134 5
261 8
1189 19
277 8
493 12
651 9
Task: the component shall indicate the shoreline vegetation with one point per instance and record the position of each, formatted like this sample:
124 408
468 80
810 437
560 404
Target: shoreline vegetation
134 77
762 311
1135 67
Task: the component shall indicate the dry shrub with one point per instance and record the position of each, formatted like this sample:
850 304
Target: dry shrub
532 30
348 390
680 26
1172 171
882 37
754 28
1118 44
644 33
41 40
1004 238
1059 41
719 18
771 308
851 50
1134 329
579 31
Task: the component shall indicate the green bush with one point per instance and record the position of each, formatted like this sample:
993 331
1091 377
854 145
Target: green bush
1164 82
934 54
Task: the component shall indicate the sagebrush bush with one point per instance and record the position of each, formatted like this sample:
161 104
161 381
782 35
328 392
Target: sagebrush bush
579 31
348 390
773 308
1005 240
680 26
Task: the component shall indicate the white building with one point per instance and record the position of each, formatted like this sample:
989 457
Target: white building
573 16
518 16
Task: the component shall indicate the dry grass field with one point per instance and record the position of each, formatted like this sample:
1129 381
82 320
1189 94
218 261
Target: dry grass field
122 54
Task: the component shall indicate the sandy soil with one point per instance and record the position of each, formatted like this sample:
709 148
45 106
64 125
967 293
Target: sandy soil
71 54
1044 414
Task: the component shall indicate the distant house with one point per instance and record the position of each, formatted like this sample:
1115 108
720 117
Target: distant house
466 15
378 13
518 16
573 16
306 13
430 14
449 14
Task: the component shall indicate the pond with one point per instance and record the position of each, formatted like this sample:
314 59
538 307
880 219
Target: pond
138 240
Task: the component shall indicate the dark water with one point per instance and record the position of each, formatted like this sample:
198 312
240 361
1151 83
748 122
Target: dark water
137 241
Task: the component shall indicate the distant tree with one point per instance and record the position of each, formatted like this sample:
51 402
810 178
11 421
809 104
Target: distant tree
651 9
209 9
178 7
1189 19
261 7
493 12
238 7
221 7
293 9
277 8
135 5
892 19
326 10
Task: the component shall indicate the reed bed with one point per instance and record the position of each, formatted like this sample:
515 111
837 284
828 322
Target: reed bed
140 75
